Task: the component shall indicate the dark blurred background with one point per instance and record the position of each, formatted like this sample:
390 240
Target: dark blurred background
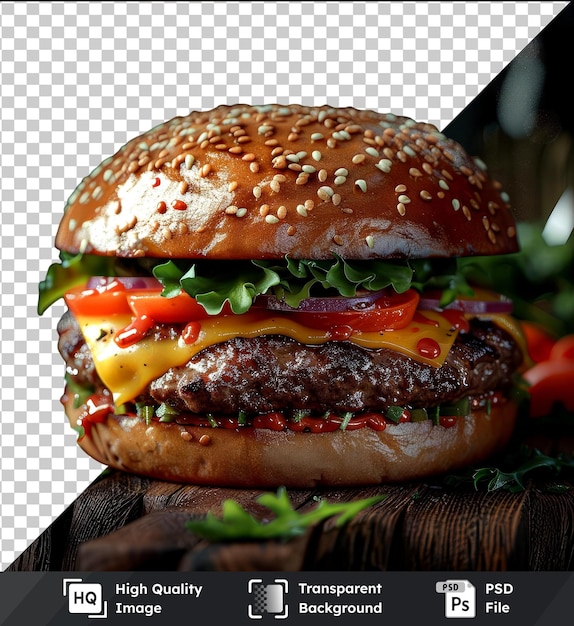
522 126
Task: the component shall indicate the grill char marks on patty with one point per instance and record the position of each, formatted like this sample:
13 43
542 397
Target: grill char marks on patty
276 373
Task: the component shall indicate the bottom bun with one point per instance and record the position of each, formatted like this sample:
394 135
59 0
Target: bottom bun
258 457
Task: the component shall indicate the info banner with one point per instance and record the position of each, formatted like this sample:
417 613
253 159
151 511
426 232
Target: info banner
313 598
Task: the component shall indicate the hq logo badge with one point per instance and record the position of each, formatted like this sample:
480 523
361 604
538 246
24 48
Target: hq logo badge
85 598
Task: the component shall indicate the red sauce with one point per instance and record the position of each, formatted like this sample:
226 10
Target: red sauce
191 333
448 421
133 332
457 319
161 207
179 205
96 410
339 333
156 182
428 348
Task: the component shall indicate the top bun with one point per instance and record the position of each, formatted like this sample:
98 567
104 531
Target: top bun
247 182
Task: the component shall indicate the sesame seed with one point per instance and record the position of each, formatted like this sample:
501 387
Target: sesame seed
271 219
347 210
336 199
241 212
183 186
325 193
317 156
235 150
316 136
264 210
254 167
361 184
338 240
443 184
401 156
291 230
257 192
491 236
295 167
413 171
293 158
280 178
388 153
447 174
231 210
384 165
425 195
185 435
309 204
401 208
271 142
466 170
440 194
427 167
400 188
372 152
358 158
342 171
205 440
466 212
309 169
206 170
282 212
485 223
244 139
322 175
280 162
408 150
511 231
248 157
404 199
301 210
275 186
339 180
302 179
455 204
492 207
370 241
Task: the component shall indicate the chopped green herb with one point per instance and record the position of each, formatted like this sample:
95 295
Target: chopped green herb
237 524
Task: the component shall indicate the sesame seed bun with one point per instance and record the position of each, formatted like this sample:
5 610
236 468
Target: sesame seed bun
265 458
244 182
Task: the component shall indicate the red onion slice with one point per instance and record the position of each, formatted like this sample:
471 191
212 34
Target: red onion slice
129 282
477 307
331 304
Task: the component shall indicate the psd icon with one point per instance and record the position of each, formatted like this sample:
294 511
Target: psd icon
85 598
459 598
268 598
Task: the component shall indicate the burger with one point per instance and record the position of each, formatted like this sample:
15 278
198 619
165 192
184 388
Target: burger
265 296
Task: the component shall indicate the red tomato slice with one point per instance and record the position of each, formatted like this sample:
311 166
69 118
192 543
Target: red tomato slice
179 309
563 348
102 300
390 312
550 382
539 342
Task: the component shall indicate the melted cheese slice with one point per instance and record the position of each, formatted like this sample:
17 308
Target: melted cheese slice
126 372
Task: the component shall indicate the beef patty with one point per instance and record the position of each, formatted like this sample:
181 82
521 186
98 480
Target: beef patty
272 373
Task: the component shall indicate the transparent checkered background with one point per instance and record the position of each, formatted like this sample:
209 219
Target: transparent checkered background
79 79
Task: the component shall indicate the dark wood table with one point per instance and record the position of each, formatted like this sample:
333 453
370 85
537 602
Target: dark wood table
128 523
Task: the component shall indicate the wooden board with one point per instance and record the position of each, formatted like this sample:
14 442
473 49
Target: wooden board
127 523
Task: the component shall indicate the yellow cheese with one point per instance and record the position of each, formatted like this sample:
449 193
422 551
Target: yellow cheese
126 372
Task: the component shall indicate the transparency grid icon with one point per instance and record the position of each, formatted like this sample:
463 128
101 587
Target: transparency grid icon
79 79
